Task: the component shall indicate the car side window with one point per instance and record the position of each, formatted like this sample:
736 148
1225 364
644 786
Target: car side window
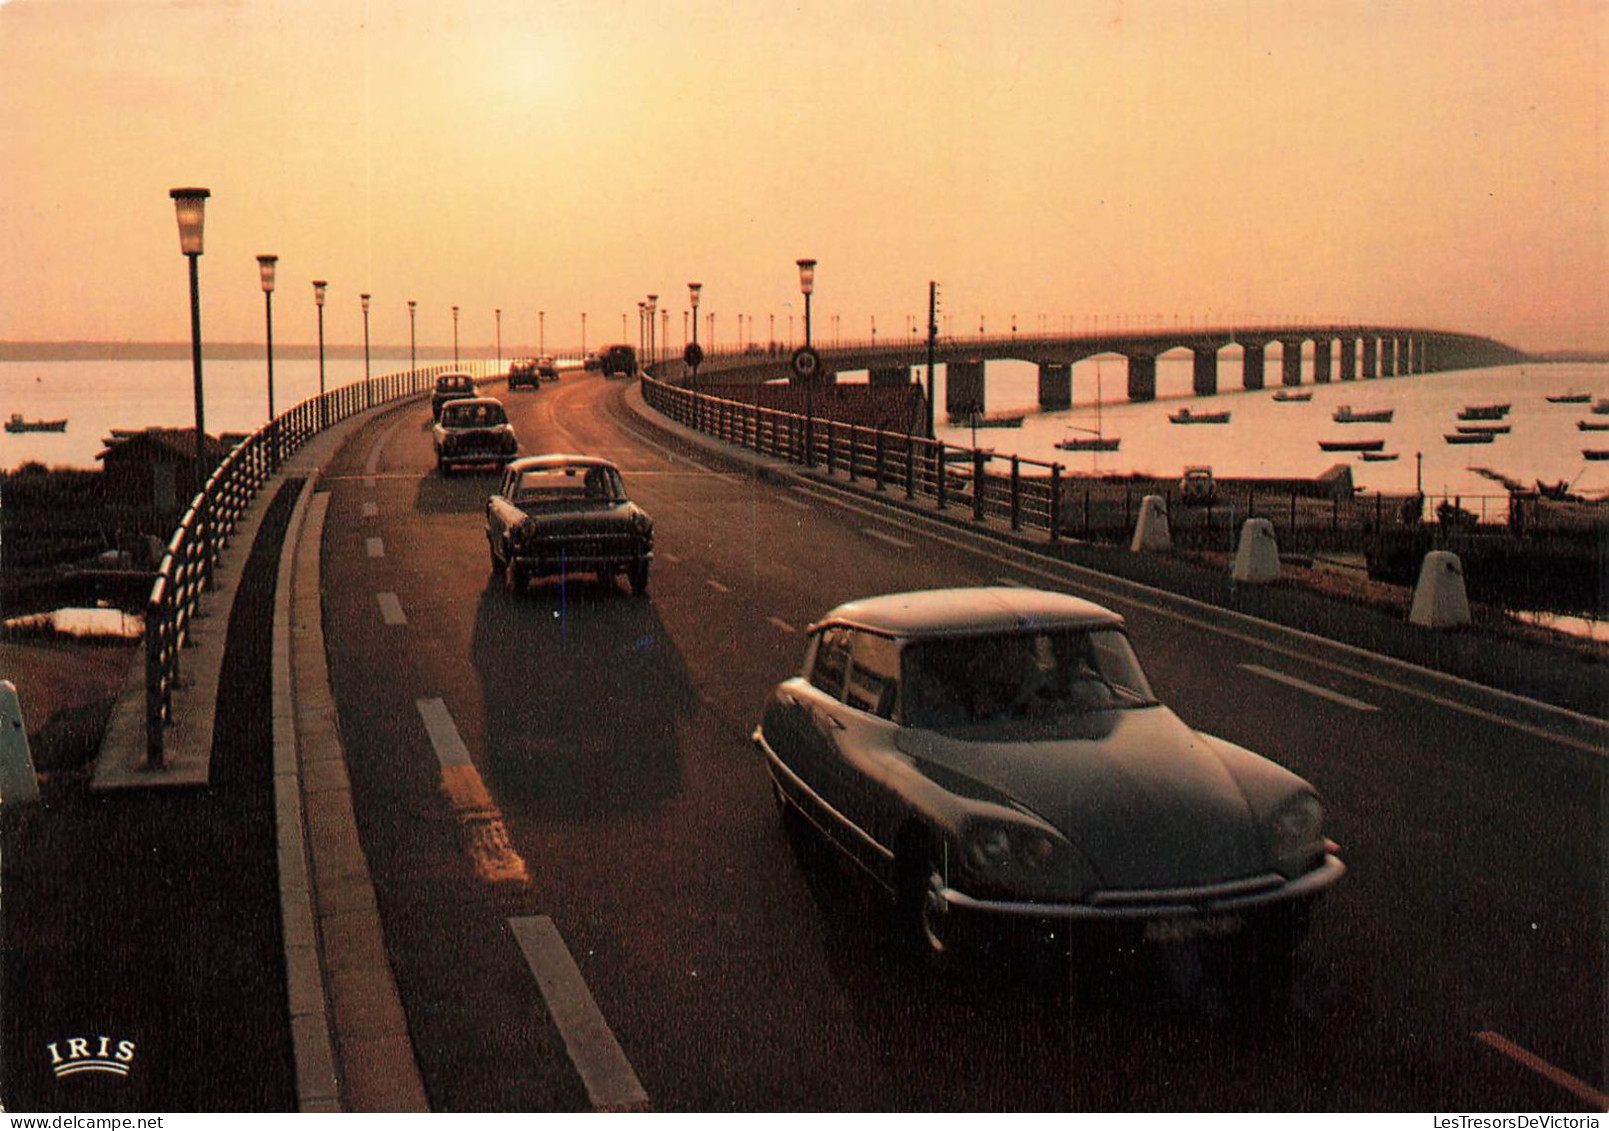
832 661
873 681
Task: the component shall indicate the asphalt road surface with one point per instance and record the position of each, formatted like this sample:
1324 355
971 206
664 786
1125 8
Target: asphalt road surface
589 900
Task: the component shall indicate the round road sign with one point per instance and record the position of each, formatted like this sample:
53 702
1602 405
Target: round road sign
806 363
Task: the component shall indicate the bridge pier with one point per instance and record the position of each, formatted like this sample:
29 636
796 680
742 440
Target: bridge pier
1251 367
1321 361
963 387
1388 357
893 376
1349 359
1055 386
1371 363
1142 377
1290 363
1205 374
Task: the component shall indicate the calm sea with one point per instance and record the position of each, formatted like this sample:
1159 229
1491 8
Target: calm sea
1263 438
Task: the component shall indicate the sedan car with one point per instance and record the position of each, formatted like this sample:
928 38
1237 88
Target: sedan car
996 757
523 371
451 387
473 430
558 515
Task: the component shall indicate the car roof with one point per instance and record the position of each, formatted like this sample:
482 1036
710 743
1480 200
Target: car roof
459 402
969 611
454 377
552 460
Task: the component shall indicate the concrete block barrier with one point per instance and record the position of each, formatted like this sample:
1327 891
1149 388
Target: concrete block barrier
1151 532
1439 598
18 785
1257 556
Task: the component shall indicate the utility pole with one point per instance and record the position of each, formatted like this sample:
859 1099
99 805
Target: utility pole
932 346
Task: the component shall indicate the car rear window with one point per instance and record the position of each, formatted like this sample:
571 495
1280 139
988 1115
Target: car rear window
571 484
473 416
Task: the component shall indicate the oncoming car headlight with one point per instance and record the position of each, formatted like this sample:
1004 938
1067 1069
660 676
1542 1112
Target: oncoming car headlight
992 846
1297 834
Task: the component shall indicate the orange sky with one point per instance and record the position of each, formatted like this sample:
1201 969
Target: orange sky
1437 162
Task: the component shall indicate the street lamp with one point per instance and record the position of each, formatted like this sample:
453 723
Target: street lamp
542 331
190 204
319 287
497 317
455 335
807 285
413 350
265 268
583 335
653 337
368 390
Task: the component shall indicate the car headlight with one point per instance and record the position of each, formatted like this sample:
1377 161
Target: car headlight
1297 833
993 846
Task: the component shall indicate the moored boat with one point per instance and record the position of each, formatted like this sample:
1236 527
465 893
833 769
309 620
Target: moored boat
962 420
1593 425
1469 437
1601 406
1185 416
1595 453
1378 457
1351 445
1569 398
1486 412
1291 395
1491 429
1089 443
18 424
1345 415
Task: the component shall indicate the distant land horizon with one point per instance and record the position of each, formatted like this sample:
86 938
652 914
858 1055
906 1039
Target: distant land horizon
246 351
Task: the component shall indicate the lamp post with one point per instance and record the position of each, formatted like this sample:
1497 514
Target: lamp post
807 285
319 287
265 268
190 205
413 350
583 335
653 335
497 317
368 391
455 335
542 330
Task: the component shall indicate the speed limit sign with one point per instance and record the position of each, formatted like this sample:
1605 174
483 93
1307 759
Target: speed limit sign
806 363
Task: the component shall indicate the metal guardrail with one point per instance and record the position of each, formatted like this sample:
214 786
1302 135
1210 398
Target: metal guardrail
207 525
1024 492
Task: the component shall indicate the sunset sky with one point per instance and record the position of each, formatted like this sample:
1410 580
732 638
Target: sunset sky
1422 162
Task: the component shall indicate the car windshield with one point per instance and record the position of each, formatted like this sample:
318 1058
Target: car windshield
473 416
569 485
1020 675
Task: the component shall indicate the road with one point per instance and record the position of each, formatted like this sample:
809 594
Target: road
558 797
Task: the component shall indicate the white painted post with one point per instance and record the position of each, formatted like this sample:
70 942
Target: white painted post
1257 557
18 786
1439 599
1151 531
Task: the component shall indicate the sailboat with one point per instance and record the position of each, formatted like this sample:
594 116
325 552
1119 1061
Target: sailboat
1098 441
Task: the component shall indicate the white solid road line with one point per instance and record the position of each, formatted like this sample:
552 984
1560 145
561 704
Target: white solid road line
391 608
1310 688
375 547
444 738
782 624
1575 1086
716 585
611 1083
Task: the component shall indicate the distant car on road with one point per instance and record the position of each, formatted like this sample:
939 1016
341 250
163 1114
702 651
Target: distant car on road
451 387
996 757
567 514
473 430
547 367
1197 487
523 373
618 361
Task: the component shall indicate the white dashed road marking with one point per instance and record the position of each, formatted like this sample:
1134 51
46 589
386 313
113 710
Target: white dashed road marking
1576 1087
390 608
1311 689
716 585
371 509
375 547
889 539
611 1083
780 623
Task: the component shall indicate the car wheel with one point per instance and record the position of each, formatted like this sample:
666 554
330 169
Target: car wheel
637 575
924 915
513 576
